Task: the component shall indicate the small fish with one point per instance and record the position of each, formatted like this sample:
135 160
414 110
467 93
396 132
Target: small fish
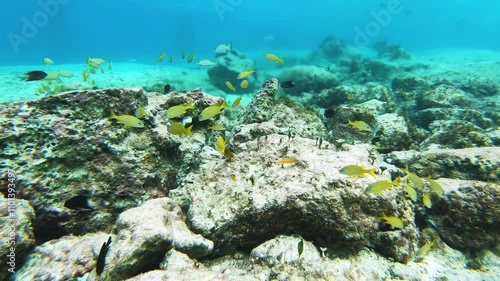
34 75
161 57
350 96
183 56
178 129
102 69
427 200
244 84
329 113
212 111
287 161
222 49
207 63
395 222
245 74
166 89
171 59
355 170
233 177
236 102
140 112
416 180
64 73
190 58
227 153
85 75
435 186
411 191
127 120
327 68
47 61
380 186
220 144
92 71
217 127
230 86
101 259
425 248
52 76
110 65
300 246
359 125
80 202
178 110
275 58
94 62
288 84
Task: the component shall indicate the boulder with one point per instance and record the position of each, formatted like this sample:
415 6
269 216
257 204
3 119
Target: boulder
230 64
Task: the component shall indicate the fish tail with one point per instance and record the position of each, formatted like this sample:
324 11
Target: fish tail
372 172
188 131
113 115
282 60
406 169
396 182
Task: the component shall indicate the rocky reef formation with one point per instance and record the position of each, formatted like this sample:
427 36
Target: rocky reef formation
229 65
176 208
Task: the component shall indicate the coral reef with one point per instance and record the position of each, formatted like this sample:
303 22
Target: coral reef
176 208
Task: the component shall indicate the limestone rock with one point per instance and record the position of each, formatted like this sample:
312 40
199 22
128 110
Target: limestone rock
308 79
456 134
17 237
468 164
262 206
409 83
66 258
393 134
469 215
260 108
338 125
443 96
146 233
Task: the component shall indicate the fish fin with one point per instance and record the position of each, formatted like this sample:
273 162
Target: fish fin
113 115
372 172
282 60
396 182
188 131
406 169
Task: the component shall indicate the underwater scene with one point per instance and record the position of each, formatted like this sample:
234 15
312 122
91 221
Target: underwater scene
250 140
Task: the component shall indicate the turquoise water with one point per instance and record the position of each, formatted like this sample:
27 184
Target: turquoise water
69 30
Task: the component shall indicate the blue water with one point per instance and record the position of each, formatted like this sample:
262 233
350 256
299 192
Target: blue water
71 30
